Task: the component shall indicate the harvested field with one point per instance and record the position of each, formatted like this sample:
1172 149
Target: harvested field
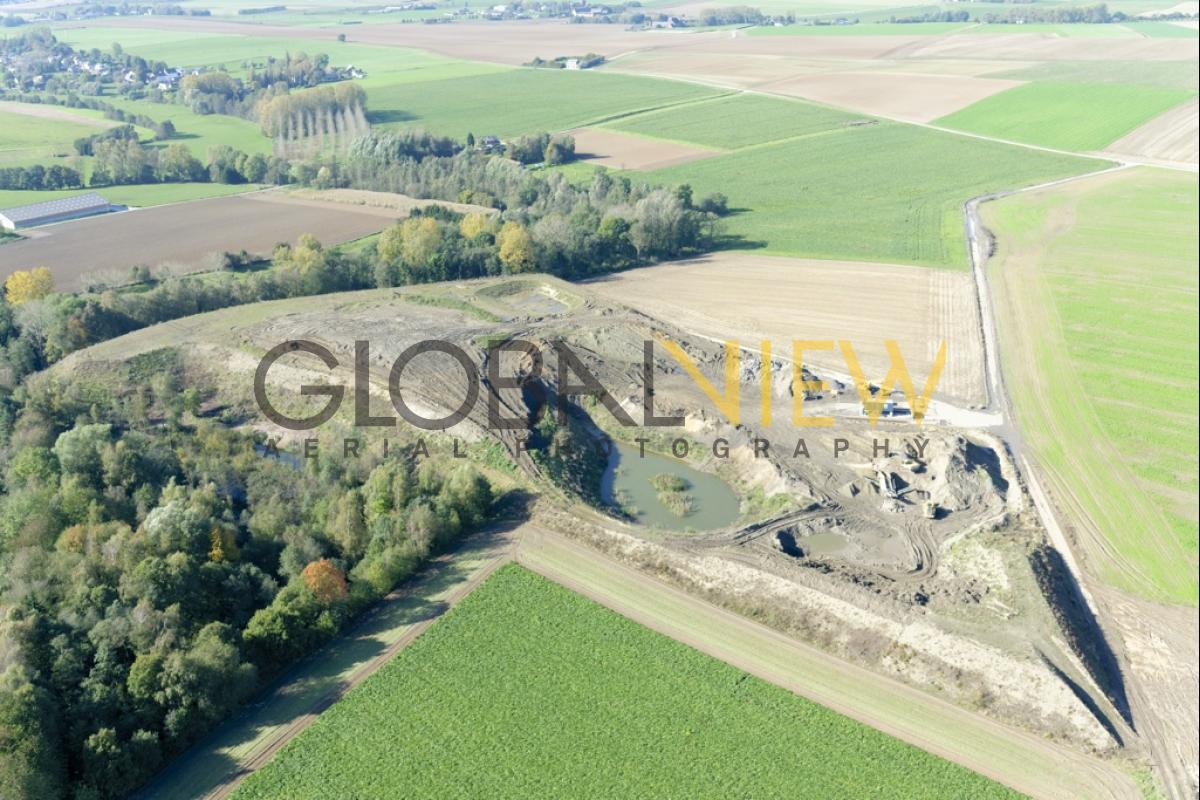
1048 47
759 297
1169 137
912 97
619 151
185 234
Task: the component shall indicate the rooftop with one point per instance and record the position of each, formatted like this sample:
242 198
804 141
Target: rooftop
49 208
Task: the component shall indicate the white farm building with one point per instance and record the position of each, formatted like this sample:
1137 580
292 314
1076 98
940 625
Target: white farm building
83 205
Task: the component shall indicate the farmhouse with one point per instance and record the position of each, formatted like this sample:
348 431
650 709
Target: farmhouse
84 205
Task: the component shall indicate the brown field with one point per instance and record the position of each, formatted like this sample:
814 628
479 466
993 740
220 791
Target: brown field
1048 47
1169 137
911 97
185 235
761 297
621 151
44 111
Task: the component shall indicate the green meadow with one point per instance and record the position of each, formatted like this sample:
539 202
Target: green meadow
1162 74
26 139
1066 115
722 123
1103 279
146 194
526 689
881 192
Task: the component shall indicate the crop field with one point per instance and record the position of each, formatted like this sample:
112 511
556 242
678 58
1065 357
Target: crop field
722 123
1068 116
863 29
524 674
1171 136
882 192
1097 301
186 235
382 65
908 96
1163 74
458 105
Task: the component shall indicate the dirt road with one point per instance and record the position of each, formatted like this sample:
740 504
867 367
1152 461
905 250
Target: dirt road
1025 762
1146 707
214 767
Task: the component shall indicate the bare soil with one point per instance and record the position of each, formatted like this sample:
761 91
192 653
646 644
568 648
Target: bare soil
622 151
186 235
1173 136
761 297
906 96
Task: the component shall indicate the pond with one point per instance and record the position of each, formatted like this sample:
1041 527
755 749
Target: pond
667 493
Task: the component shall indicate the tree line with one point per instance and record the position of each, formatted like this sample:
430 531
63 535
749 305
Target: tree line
156 568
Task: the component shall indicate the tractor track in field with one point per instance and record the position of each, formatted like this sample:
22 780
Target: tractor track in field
1154 736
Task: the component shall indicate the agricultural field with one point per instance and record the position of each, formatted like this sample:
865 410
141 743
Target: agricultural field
882 192
187 236
456 106
1065 115
31 133
721 122
134 195
1097 290
524 674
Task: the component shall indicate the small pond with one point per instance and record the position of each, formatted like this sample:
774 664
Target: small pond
683 499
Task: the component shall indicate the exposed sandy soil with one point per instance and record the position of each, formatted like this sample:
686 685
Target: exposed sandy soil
43 111
1169 137
185 234
915 97
621 151
782 299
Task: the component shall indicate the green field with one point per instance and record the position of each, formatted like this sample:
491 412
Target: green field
26 139
882 192
526 689
1163 74
1064 115
722 123
1097 301
383 65
534 100
147 194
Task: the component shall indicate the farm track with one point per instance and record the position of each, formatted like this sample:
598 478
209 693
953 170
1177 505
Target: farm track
1027 763
1158 738
194 775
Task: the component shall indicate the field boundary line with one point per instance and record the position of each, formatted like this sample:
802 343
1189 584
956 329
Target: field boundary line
1018 759
263 750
